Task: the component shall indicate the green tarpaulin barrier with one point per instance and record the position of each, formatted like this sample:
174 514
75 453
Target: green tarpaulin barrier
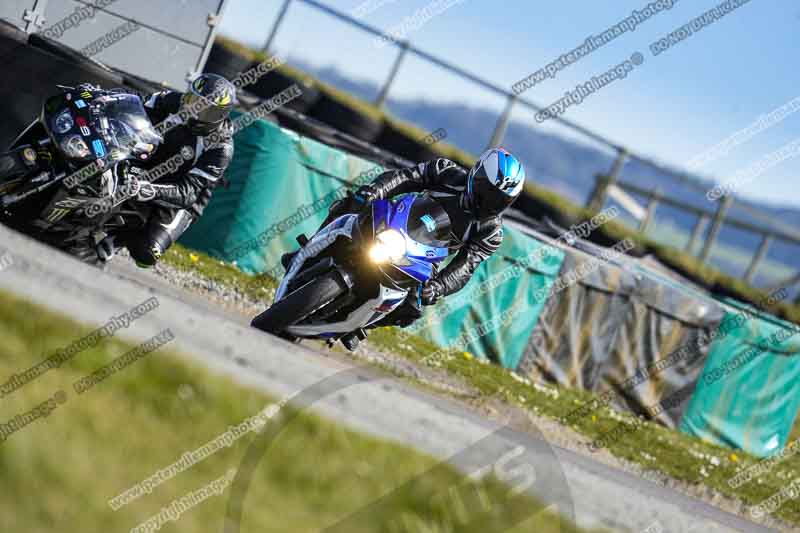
622 331
747 396
493 316
281 185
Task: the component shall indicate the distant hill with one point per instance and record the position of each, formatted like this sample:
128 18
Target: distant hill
569 167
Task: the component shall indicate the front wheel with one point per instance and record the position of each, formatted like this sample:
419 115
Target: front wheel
300 304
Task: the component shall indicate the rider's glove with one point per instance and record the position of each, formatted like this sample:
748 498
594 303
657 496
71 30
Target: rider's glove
365 194
431 292
355 201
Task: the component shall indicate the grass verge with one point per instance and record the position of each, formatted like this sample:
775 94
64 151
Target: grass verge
652 447
60 471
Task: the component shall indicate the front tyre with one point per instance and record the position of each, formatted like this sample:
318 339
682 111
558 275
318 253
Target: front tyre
300 304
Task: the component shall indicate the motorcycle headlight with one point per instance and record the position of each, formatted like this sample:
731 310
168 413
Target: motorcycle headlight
75 148
63 122
390 245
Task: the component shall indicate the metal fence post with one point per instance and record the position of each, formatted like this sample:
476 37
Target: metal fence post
652 205
699 226
502 123
380 100
598 197
758 257
275 26
716 226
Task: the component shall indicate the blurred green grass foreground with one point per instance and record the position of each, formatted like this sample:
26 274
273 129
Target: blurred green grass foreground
58 473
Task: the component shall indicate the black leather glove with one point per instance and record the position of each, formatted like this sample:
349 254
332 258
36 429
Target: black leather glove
352 203
365 194
432 291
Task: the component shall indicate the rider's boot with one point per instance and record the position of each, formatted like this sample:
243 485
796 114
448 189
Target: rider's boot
106 248
352 340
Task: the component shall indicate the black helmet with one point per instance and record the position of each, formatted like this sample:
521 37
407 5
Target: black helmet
209 101
494 183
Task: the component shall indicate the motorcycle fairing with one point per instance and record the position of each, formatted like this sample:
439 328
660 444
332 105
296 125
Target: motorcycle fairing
369 312
387 300
417 263
341 226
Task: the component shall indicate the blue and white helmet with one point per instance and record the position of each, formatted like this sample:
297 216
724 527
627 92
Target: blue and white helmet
494 183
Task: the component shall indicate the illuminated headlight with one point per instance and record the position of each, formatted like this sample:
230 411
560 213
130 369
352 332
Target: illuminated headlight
390 245
63 122
75 148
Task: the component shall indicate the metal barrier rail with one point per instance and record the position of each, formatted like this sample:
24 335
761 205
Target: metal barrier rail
718 218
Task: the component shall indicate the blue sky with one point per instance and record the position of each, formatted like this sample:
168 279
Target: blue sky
671 108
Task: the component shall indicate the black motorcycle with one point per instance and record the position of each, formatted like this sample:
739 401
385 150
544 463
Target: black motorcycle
70 179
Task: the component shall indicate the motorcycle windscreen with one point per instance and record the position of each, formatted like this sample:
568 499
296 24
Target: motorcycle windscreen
428 223
125 126
107 128
428 229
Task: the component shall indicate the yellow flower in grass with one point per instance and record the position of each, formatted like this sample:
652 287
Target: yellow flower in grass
194 257
734 458
467 355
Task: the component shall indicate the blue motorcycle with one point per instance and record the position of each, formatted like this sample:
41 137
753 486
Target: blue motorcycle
359 268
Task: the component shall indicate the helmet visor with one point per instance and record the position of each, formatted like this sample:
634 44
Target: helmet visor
204 110
485 198
489 201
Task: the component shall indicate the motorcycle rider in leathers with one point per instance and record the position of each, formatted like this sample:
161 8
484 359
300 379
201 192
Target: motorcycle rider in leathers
474 201
203 137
